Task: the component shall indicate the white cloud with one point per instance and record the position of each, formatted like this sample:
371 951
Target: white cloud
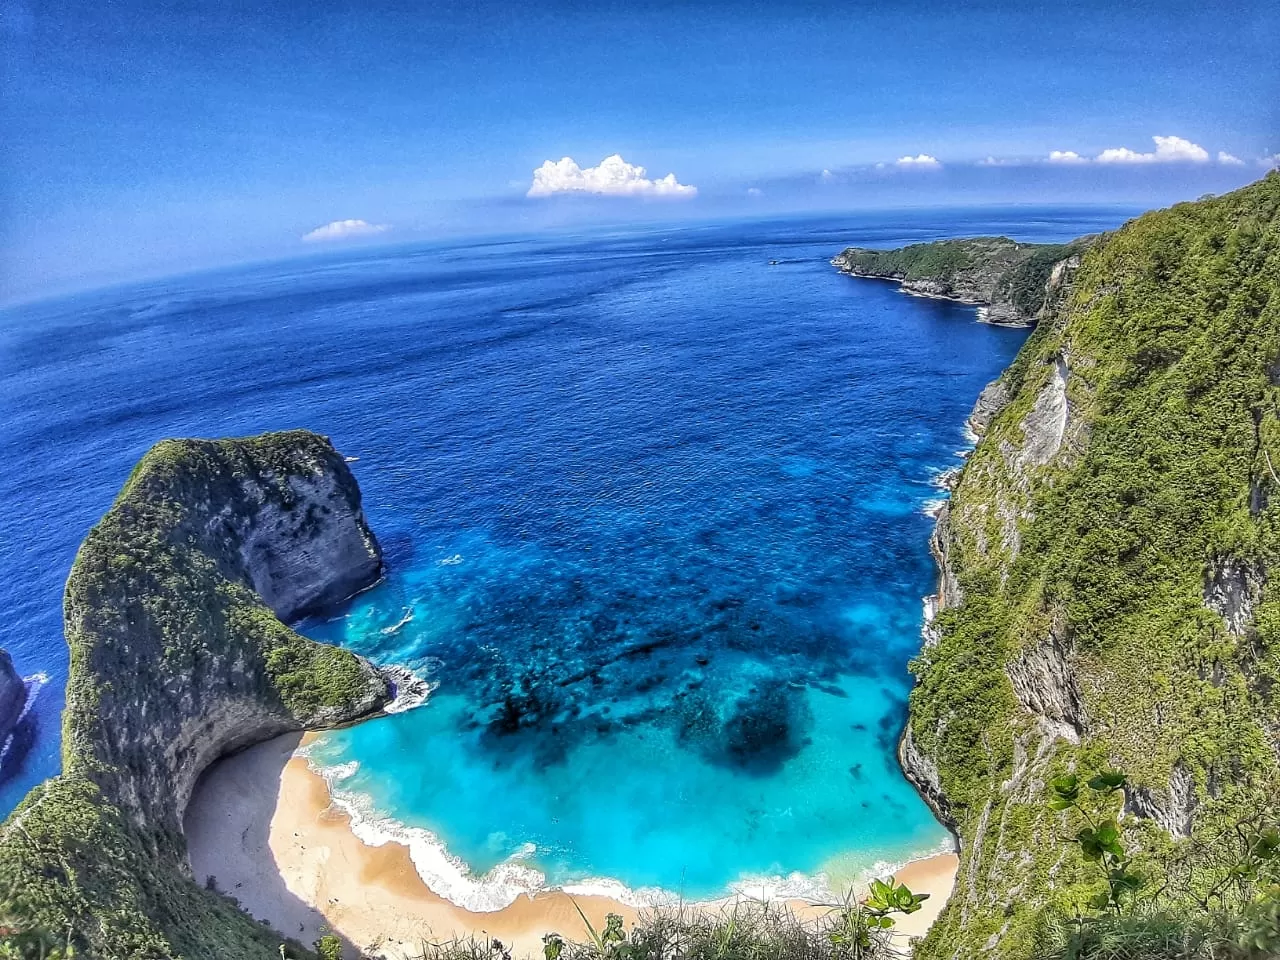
1000 162
754 192
344 230
1168 150
1271 163
827 175
921 160
1229 159
1066 156
613 177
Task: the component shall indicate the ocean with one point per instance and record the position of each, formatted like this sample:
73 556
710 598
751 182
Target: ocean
654 504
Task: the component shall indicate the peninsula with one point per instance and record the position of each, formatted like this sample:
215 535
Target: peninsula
1015 284
174 613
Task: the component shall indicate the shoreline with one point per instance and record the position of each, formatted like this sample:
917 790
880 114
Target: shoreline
263 825
983 306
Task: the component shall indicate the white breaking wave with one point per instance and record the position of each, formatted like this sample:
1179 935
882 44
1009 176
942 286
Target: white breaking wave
442 872
395 627
815 888
411 690
450 877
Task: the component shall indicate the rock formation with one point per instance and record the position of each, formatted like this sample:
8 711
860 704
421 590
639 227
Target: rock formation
179 654
17 730
1015 283
1104 599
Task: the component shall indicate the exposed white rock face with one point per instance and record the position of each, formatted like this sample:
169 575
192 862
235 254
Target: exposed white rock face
1232 589
993 399
949 592
1173 809
1046 424
1044 681
923 774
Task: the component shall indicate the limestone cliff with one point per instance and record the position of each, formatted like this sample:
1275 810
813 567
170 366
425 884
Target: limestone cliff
1104 596
1016 283
174 615
16 729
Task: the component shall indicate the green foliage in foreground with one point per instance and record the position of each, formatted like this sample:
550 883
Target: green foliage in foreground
1135 916
746 930
1087 578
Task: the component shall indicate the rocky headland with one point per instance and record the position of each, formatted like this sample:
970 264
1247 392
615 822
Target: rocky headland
17 724
1104 598
1016 284
175 615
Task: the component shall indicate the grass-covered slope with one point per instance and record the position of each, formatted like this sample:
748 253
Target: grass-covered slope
1106 589
1015 280
176 659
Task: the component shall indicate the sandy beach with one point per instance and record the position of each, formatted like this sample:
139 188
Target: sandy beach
262 825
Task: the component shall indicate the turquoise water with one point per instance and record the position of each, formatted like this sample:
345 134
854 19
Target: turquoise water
654 514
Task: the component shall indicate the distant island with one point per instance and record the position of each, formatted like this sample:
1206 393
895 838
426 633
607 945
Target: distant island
1014 283
1096 716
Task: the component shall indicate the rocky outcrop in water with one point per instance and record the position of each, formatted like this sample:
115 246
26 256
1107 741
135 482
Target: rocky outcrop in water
174 613
1015 283
17 728
13 696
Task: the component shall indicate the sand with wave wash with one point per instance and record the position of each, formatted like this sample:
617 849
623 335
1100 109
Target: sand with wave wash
262 825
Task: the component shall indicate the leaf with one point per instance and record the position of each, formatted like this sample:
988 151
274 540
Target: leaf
1066 788
1089 845
1108 838
1108 781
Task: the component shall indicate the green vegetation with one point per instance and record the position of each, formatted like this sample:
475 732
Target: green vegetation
1014 277
747 930
1110 542
1087 577
1135 917
164 631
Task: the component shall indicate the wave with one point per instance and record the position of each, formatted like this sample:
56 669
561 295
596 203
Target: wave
444 874
411 690
395 627
450 877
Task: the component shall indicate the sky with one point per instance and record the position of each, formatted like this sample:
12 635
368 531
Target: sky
140 137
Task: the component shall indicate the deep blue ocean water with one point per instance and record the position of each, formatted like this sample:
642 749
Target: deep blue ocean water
654 513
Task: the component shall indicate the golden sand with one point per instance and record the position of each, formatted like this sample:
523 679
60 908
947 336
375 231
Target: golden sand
261 823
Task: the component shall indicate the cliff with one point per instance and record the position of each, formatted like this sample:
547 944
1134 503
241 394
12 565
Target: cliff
17 730
1104 593
1017 283
174 615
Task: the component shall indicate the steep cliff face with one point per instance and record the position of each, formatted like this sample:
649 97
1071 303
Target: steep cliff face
173 614
1017 283
17 730
1105 599
13 696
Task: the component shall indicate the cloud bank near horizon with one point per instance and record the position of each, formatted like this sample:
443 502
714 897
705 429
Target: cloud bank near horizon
612 177
1168 150
344 230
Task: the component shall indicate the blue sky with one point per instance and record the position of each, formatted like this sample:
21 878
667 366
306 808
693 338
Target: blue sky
142 137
